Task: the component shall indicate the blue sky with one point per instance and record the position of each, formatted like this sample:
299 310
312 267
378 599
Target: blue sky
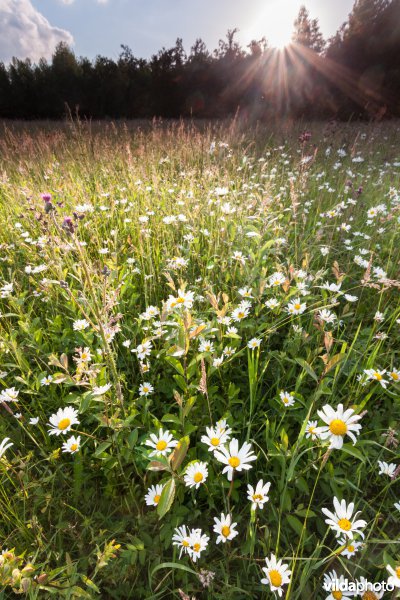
100 26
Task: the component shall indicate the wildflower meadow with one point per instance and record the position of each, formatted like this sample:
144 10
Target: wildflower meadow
200 361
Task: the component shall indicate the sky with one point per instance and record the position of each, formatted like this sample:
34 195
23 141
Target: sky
32 28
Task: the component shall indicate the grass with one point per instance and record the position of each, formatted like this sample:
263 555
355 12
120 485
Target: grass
142 212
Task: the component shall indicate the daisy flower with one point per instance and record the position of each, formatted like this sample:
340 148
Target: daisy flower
198 542
240 313
143 350
287 398
4 445
386 468
397 505
224 528
145 389
394 375
62 420
101 389
296 307
152 498
181 538
72 445
162 443
46 380
254 343
276 574
196 474
342 521
351 547
258 496
334 584
272 303
183 300
312 430
339 423
376 375
9 395
367 590
80 325
276 279
216 436
84 356
394 578
206 346
234 458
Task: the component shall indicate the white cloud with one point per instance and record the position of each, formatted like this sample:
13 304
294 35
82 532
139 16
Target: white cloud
26 33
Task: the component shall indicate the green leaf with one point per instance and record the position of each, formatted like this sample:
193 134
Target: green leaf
167 498
295 524
172 565
307 368
179 452
101 448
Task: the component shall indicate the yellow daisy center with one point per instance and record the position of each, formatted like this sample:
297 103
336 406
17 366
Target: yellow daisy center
157 498
338 427
234 461
337 595
185 543
257 497
198 477
344 524
161 445
225 530
275 578
180 300
240 315
377 376
74 447
297 306
214 441
350 548
394 376
84 356
311 429
369 596
196 547
398 572
64 423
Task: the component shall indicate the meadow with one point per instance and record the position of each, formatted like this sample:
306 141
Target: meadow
199 360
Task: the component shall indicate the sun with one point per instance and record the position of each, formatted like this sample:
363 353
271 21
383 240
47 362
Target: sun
273 21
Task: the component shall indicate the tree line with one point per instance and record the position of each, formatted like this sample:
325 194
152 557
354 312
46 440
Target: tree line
355 74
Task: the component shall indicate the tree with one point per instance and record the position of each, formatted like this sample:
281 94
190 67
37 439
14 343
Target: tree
307 33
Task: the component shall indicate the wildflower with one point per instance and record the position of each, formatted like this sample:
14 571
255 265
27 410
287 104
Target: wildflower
183 300
394 375
272 303
376 375
351 298
258 496
368 591
72 445
341 521
143 349
46 380
9 395
33 420
80 325
62 420
331 287
181 538
206 346
245 292
351 547
4 445
224 528
394 578
145 389
386 468
162 443
153 495
254 343
217 362
277 574
339 423
287 398
150 313
234 458
334 583
101 390
216 437
198 542
276 279
397 505
239 257
196 474
238 314
229 351
296 307
327 316
84 356
312 430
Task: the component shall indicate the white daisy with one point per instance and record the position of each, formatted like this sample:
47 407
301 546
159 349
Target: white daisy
287 398
198 542
145 389
276 279
296 307
153 495
272 303
234 458
4 445
62 421
351 547
9 395
394 578
80 325
342 521
312 430
376 375
196 473
339 424
258 496
367 590
101 390
334 584
254 343
224 528
72 445
181 538
216 437
162 443
277 574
